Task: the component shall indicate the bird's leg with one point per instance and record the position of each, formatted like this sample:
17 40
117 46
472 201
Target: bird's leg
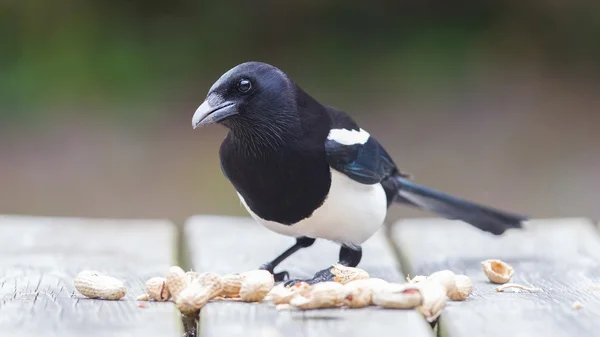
349 257
301 242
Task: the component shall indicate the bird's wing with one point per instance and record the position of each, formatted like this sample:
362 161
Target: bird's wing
352 151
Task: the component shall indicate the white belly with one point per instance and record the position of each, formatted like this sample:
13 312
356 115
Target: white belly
351 214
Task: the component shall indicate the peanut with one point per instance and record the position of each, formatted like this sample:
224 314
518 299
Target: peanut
191 276
255 285
458 287
209 279
156 288
94 284
434 299
231 285
320 295
359 293
192 299
176 281
198 293
446 278
464 287
357 296
343 274
281 294
398 296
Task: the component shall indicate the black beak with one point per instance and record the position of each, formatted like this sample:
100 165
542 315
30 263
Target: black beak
207 114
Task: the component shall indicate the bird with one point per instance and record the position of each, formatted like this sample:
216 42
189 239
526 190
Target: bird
307 170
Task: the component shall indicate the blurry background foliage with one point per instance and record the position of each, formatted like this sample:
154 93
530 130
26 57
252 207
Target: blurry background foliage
491 100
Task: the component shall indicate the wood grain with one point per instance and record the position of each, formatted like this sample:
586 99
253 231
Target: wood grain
39 257
560 256
236 244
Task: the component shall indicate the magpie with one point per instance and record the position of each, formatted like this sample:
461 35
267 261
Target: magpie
307 170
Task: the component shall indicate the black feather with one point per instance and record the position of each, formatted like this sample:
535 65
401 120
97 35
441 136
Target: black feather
483 217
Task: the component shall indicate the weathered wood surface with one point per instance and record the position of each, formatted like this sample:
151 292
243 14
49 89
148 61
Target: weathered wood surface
236 244
39 258
560 256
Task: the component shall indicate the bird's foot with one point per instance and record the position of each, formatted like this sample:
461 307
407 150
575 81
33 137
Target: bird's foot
277 276
324 275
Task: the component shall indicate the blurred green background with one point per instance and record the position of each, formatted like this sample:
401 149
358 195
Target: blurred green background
494 101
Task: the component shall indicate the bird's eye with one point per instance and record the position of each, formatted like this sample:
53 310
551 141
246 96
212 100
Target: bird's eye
244 85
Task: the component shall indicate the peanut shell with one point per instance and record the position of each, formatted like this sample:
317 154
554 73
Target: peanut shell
281 294
176 281
464 287
434 299
343 274
398 296
255 285
497 271
191 276
320 295
446 278
94 284
156 288
198 293
359 293
416 279
231 285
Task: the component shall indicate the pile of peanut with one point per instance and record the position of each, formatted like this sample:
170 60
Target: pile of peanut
350 288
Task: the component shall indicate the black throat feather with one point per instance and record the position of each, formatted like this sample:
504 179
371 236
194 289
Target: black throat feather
259 136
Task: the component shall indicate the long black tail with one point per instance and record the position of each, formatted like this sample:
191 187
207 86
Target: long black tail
447 206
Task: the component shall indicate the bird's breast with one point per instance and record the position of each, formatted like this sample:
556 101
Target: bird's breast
351 213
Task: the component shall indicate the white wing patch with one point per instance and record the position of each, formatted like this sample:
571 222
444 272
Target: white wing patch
349 137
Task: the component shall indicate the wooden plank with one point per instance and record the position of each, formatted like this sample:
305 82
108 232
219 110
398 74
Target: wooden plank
236 244
39 258
560 256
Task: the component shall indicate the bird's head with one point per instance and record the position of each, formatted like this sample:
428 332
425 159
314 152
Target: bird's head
249 97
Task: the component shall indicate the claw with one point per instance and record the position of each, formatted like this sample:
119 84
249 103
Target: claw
290 283
281 276
322 276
